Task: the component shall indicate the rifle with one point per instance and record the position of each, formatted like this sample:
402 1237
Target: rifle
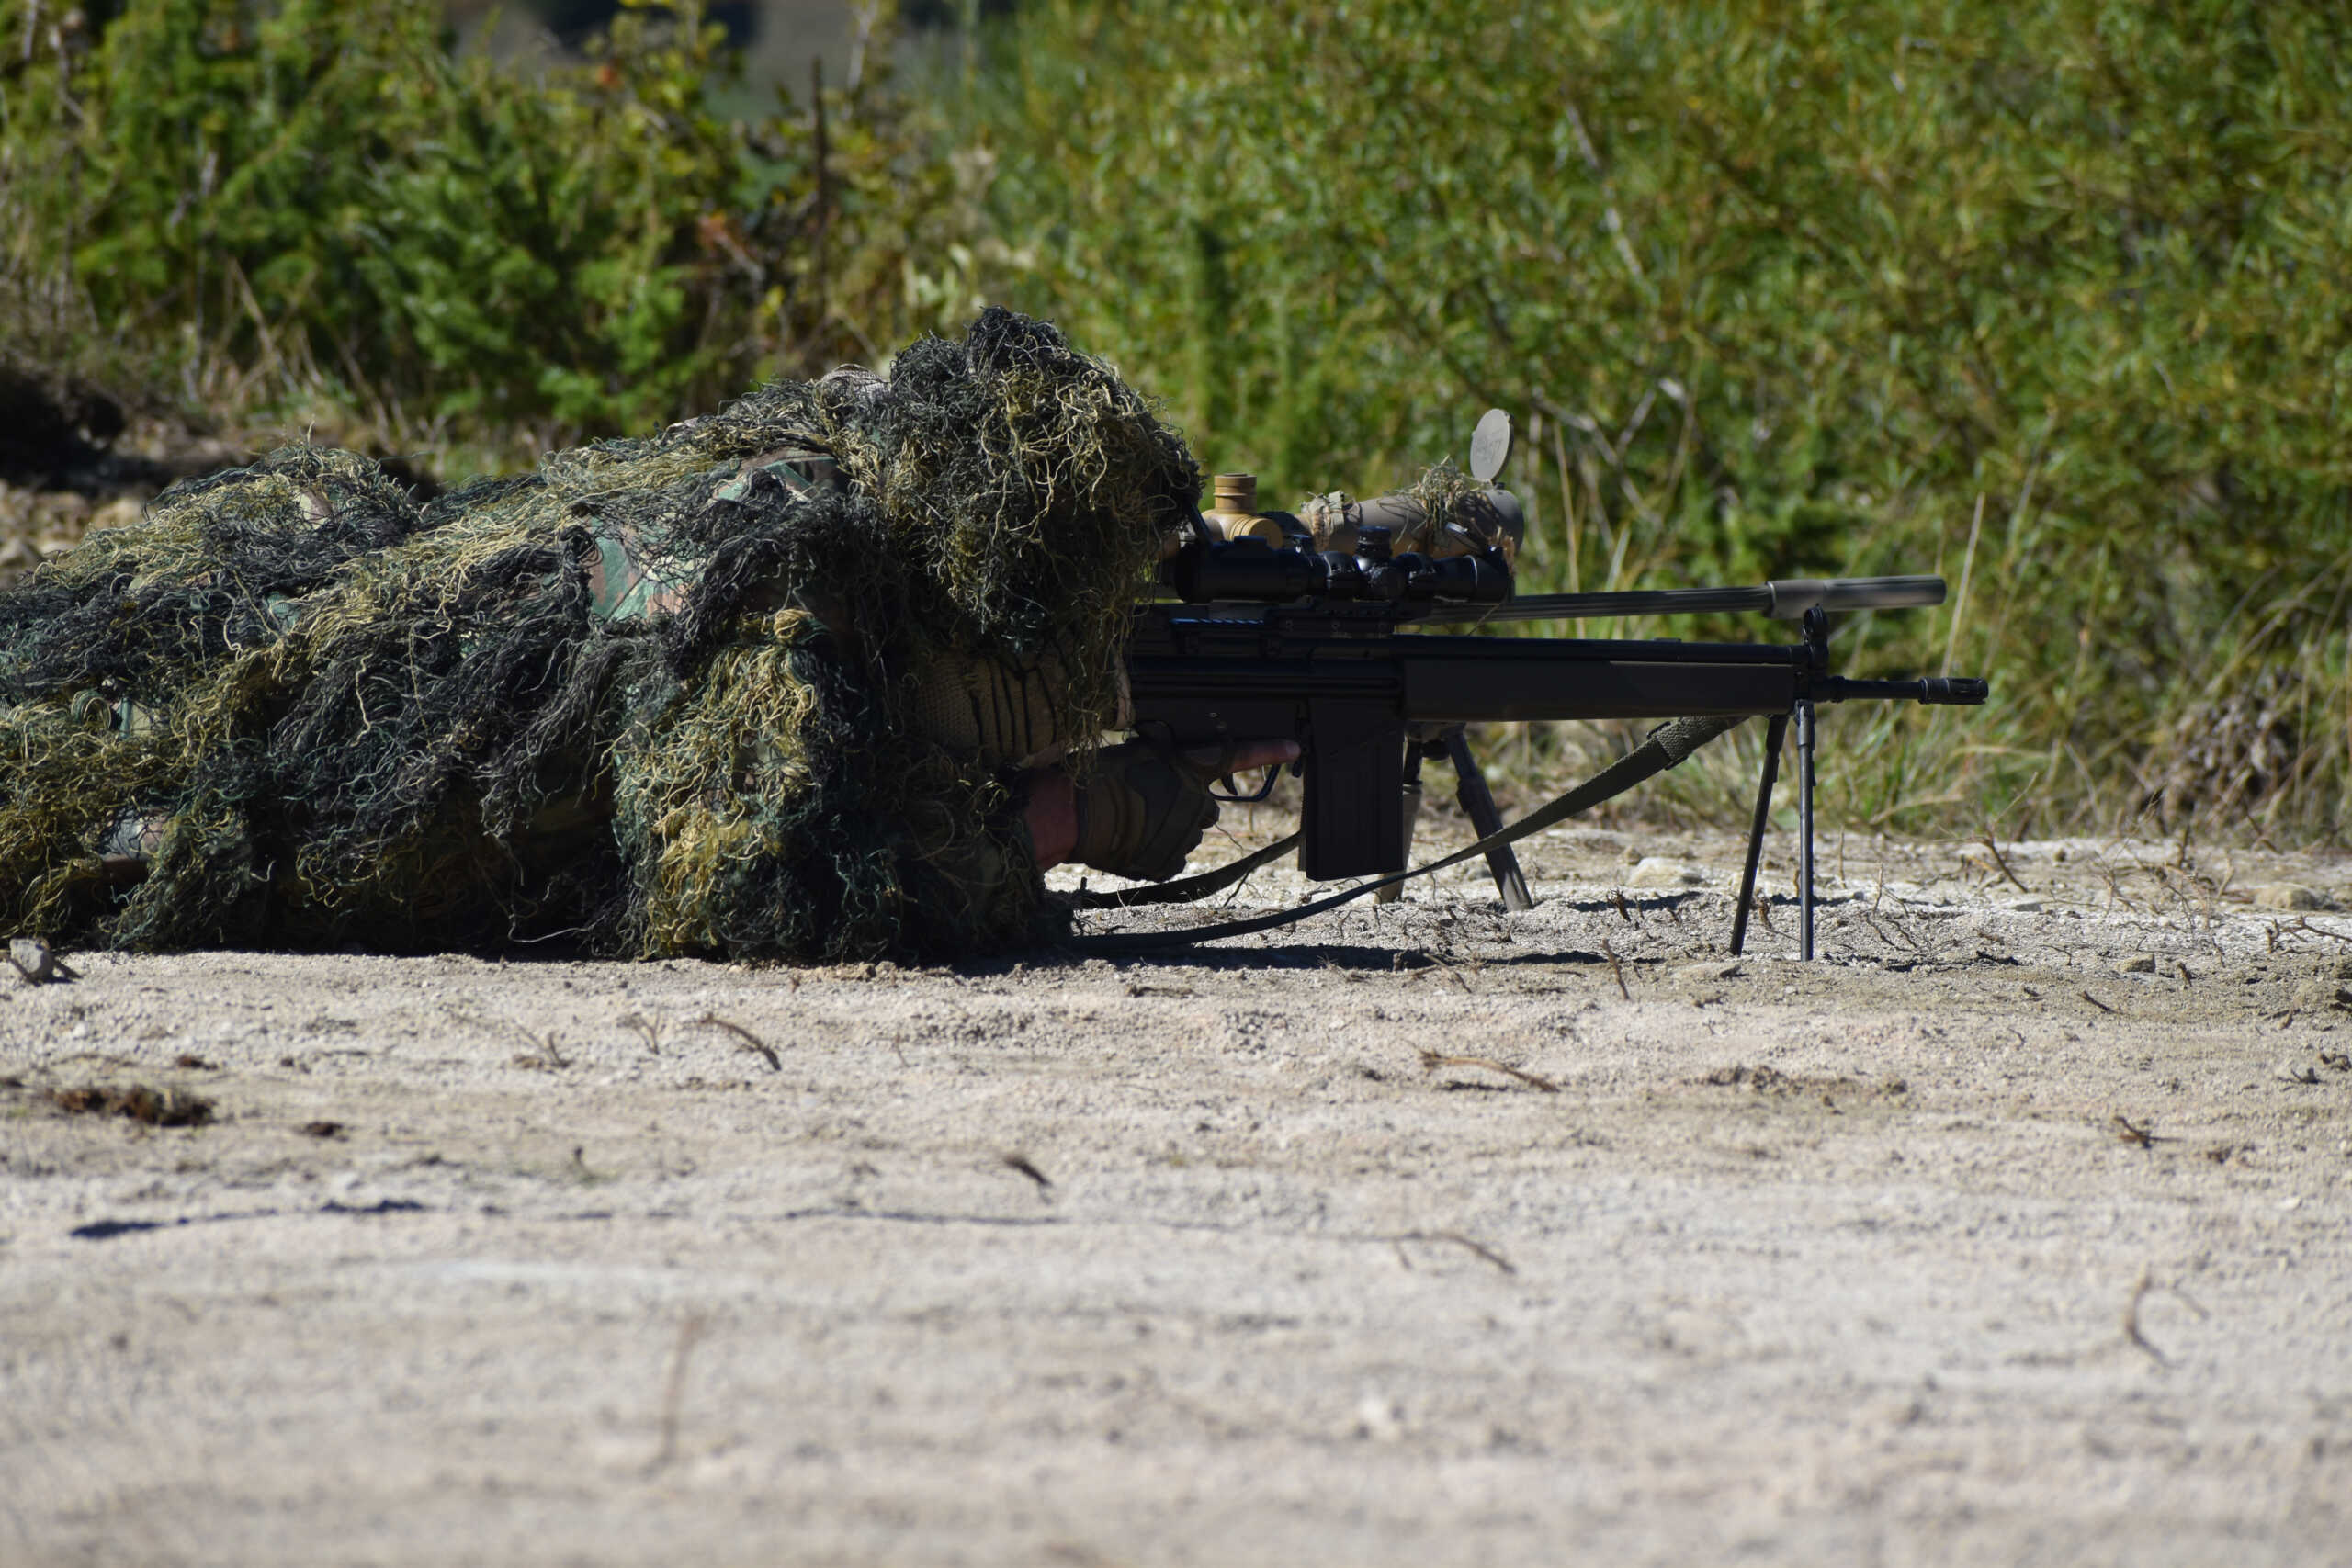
1269 639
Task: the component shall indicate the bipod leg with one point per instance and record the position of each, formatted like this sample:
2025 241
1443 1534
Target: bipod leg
1772 737
1805 825
1479 801
1413 752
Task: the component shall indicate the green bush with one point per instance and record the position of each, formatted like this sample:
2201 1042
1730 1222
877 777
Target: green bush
328 191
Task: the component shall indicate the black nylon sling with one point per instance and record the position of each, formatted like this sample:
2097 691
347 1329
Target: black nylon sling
1666 747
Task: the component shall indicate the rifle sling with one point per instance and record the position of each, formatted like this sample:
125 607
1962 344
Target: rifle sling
1186 888
1666 746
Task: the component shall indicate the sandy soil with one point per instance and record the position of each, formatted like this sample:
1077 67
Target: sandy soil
2014 1232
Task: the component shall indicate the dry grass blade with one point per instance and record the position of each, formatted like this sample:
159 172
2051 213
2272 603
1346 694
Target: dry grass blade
1028 1167
1617 968
545 1052
674 1390
1439 966
747 1040
2131 1332
2304 925
1433 1060
1477 1249
2000 861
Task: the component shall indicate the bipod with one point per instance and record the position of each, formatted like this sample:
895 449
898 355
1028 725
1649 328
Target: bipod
1478 803
1816 637
1773 735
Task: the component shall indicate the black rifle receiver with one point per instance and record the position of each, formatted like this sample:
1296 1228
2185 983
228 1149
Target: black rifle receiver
1269 642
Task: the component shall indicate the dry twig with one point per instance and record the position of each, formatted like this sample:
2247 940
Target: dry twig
2000 861
1431 1061
1477 1248
1617 968
749 1041
674 1390
2132 1333
1027 1167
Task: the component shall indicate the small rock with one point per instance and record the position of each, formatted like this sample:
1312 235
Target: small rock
1656 870
1380 1419
35 961
2294 1069
2322 995
2290 896
2143 965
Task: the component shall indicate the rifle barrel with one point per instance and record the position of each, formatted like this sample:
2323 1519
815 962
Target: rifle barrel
1783 599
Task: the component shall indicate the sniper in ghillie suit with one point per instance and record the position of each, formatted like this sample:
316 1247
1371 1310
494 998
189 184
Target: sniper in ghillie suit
824 675
765 684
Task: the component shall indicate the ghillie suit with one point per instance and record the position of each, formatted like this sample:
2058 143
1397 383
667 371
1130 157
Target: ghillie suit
727 690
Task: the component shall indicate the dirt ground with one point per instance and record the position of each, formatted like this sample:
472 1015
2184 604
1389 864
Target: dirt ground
2012 1232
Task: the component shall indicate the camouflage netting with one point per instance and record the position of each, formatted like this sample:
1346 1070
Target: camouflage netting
652 698
1446 512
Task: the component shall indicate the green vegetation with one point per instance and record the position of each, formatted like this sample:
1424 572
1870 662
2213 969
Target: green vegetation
2049 297
319 207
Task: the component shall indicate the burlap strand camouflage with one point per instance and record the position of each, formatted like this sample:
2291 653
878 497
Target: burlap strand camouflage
651 699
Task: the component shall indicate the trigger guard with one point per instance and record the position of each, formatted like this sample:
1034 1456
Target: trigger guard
1232 791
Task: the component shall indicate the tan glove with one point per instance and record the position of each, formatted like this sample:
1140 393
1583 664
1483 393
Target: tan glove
1140 814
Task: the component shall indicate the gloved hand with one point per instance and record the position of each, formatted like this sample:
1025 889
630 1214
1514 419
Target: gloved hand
1139 814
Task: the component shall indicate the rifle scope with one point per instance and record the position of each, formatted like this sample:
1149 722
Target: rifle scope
1478 587
1252 570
